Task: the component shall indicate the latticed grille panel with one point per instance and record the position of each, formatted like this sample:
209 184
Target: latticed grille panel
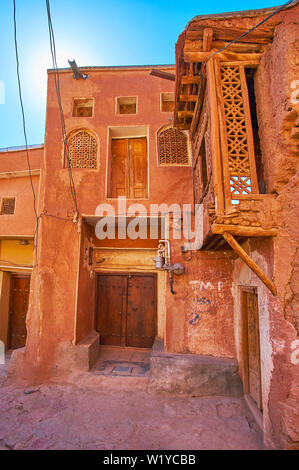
8 206
173 147
237 138
82 147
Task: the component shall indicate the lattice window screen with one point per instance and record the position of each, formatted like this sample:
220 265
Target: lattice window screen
173 147
82 150
235 109
8 206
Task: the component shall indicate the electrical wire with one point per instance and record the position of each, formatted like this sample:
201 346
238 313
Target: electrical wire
24 120
250 30
237 39
57 87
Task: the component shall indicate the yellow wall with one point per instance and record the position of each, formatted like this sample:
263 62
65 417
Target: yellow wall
12 252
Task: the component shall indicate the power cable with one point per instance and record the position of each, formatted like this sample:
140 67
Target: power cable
62 120
23 120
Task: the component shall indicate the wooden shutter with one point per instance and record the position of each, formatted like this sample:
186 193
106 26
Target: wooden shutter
120 167
138 168
129 168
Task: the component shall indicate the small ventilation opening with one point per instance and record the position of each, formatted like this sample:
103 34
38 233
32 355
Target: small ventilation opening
167 102
8 206
127 105
83 108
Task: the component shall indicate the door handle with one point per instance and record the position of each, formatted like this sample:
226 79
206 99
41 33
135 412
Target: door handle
120 313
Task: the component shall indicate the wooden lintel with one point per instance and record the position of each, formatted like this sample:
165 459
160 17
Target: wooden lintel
192 98
185 114
253 197
252 64
189 80
183 127
243 231
197 46
225 34
223 56
249 261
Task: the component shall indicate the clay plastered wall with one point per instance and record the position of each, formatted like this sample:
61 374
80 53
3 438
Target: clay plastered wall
277 71
22 222
200 317
165 183
17 160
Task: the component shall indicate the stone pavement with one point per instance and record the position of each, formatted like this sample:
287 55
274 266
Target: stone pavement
67 416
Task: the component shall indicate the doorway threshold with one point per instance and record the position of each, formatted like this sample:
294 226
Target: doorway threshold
125 362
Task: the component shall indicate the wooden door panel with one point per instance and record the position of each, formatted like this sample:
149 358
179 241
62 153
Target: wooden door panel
252 361
141 311
110 309
138 160
20 288
119 167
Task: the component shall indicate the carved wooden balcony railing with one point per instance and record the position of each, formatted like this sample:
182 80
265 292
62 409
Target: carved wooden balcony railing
212 101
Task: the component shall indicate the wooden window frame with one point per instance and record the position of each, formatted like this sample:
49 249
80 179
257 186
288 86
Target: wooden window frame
3 202
180 165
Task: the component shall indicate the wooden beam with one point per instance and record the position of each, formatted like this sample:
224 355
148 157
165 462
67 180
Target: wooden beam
260 36
243 231
207 39
249 261
246 63
225 55
197 46
189 80
185 114
192 98
163 74
183 127
215 138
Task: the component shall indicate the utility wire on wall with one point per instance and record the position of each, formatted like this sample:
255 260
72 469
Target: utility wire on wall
24 121
57 87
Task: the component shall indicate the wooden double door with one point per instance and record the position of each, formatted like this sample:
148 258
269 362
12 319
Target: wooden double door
19 301
126 309
129 168
251 346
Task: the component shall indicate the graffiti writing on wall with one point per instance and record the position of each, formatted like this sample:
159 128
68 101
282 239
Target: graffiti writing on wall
202 285
201 302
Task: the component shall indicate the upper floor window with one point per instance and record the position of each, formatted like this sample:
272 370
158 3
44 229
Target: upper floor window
172 147
126 105
8 206
167 102
83 107
82 147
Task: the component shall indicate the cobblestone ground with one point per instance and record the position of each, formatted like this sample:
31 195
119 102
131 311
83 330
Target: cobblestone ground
66 416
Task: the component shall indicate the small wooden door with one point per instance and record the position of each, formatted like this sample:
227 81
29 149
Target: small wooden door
251 346
129 168
126 309
20 287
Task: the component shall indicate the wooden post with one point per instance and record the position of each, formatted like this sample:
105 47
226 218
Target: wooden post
249 261
215 142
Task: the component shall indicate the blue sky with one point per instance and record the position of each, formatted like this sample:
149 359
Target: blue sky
128 32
